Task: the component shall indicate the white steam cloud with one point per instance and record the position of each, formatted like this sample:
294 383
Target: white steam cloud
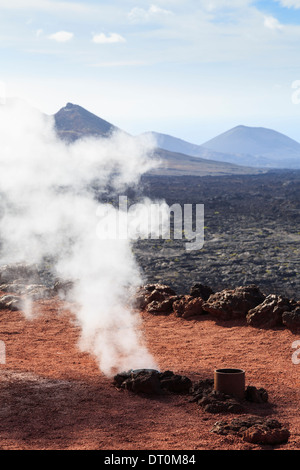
49 209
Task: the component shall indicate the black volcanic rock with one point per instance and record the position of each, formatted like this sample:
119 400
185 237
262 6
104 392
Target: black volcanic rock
269 313
256 395
144 381
12 302
73 122
152 382
251 236
155 298
188 306
254 429
292 319
174 383
198 290
233 303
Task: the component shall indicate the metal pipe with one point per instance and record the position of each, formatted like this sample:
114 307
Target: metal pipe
230 382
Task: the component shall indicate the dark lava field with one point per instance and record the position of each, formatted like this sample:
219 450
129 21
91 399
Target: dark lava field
252 233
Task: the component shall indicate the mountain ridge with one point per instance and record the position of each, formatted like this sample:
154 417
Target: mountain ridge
242 145
73 122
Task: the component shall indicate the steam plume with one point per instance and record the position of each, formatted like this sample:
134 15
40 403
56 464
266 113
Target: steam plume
49 209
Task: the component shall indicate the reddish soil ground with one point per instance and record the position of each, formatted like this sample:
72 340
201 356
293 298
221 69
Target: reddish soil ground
52 396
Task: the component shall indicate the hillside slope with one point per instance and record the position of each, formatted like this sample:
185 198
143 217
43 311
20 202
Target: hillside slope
242 145
74 122
257 146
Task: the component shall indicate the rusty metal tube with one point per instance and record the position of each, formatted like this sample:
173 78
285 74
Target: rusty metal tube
230 382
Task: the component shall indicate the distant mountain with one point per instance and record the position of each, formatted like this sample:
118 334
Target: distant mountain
74 122
257 146
251 146
173 144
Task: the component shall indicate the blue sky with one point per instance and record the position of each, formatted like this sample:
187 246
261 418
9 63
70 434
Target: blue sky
189 68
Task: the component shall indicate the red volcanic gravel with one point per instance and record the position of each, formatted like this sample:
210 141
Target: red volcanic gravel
52 395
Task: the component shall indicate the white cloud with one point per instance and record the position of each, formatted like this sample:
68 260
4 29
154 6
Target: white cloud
212 5
157 10
154 12
272 23
38 33
61 36
289 3
108 39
